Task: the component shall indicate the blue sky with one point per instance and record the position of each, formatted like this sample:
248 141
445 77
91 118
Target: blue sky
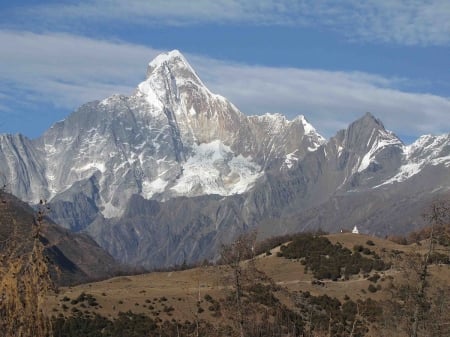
329 60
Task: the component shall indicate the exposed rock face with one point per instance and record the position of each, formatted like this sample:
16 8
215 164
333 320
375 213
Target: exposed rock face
22 167
172 171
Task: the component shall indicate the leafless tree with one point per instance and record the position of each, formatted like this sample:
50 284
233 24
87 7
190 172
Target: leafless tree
234 255
437 217
418 300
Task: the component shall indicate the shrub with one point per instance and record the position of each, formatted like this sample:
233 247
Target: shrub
374 278
366 251
214 307
372 288
358 248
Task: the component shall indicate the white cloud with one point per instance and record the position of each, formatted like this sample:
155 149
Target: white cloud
66 71
393 21
69 69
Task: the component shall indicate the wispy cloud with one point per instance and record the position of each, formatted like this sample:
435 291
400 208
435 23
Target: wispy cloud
69 69
402 22
66 71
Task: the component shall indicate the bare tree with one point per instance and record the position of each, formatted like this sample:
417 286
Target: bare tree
234 255
417 298
437 217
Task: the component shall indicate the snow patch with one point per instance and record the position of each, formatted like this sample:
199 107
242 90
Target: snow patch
110 211
110 100
215 169
309 129
146 90
380 139
273 123
94 165
170 56
290 160
149 188
427 150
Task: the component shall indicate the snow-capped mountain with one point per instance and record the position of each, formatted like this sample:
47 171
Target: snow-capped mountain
172 137
175 167
426 151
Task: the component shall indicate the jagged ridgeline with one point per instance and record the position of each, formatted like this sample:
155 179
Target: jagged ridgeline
169 173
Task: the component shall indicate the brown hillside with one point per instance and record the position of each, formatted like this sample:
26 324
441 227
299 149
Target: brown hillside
177 296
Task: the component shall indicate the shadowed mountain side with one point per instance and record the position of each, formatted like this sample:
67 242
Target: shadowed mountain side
154 234
75 258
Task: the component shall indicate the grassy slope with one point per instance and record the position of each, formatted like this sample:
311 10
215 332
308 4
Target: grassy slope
154 293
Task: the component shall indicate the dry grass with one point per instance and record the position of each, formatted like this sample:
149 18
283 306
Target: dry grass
24 285
152 293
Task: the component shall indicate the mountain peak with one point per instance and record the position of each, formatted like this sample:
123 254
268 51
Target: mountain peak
368 132
366 126
369 119
172 63
166 74
173 57
307 126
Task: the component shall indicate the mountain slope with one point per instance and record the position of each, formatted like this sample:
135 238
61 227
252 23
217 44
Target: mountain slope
172 171
323 190
77 257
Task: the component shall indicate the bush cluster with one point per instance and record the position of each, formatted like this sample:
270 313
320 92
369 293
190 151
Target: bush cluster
328 314
126 324
328 261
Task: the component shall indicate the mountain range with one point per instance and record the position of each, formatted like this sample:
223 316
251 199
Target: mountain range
173 171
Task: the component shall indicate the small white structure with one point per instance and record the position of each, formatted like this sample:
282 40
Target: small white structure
355 230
